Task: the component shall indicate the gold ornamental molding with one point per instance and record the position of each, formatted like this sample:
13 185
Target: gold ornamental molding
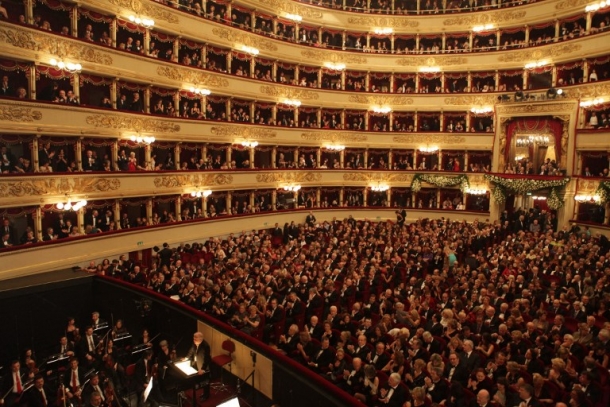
194 180
289 6
287 177
471 100
429 138
22 38
148 9
328 56
57 186
432 61
384 22
587 186
538 108
241 131
245 39
377 177
594 89
289 93
569 4
110 121
539 53
192 76
19 114
486 18
381 100
333 137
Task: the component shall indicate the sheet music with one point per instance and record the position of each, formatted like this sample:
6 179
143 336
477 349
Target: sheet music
186 368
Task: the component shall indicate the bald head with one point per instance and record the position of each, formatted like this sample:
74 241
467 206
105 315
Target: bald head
483 397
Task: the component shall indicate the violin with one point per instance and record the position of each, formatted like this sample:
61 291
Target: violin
109 393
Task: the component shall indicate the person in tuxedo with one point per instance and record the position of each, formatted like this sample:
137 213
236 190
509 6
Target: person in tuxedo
74 379
165 255
310 219
199 355
6 165
143 373
45 155
136 103
50 235
294 308
40 395
322 357
8 229
90 162
95 400
6 89
274 314
379 358
455 370
65 347
526 393
93 385
437 388
13 385
122 103
393 395
481 400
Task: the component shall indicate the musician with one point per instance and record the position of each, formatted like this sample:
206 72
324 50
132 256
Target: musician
164 356
40 395
88 347
13 385
74 379
65 347
96 322
199 355
95 400
119 329
143 371
93 386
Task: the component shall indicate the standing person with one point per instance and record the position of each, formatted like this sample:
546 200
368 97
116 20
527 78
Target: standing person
401 216
199 355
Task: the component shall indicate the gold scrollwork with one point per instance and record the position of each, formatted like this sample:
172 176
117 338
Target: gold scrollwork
19 114
539 53
289 93
471 100
381 100
192 76
334 137
244 38
323 56
377 177
432 61
568 4
133 124
286 177
383 22
147 9
289 6
594 89
57 186
243 132
485 18
587 186
194 180
429 138
538 108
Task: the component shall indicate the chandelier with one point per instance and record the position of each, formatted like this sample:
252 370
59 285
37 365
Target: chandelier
250 50
335 147
292 188
473 191
335 66
536 64
428 149
485 27
292 102
589 103
66 66
71 206
144 22
383 31
587 198
294 17
381 109
249 144
482 109
379 187
200 91
429 69
530 140
596 6
142 140
202 193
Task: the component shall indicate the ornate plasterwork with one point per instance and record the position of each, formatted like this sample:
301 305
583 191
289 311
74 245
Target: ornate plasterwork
485 18
471 100
381 100
286 177
110 121
334 137
289 6
329 56
245 39
19 114
383 22
539 53
57 186
432 61
587 186
568 4
37 41
192 180
377 177
289 93
537 108
240 131
148 9
192 76
589 90
429 139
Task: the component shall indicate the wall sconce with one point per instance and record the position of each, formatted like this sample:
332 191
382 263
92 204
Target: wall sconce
71 206
537 64
429 149
383 30
529 140
335 66
587 198
291 102
142 140
379 187
381 109
538 198
335 147
66 66
250 50
589 103
203 193
474 191
293 17
429 69
485 27
596 6
142 21
482 109
200 91
292 188
249 144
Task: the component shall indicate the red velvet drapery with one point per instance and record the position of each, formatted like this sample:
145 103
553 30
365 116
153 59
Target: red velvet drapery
535 124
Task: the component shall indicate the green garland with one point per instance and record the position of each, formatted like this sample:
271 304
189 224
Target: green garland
522 186
442 181
603 190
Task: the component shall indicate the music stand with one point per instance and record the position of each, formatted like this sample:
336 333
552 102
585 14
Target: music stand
54 361
186 371
120 338
147 390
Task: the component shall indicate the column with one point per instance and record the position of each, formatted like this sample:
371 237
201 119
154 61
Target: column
146 41
557 31
368 41
147 96
253 67
114 88
390 159
29 11
585 70
365 197
442 82
274 200
34 153
79 153
227 109
342 116
469 82
438 199
80 220
468 121
318 197
74 22
114 154
344 38
113 29
525 80
497 79
391 124
176 98
527 35
342 158
367 81
251 200
392 88
389 197
178 203
251 157
416 121
466 156
295 196
366 158
319 117
295 116
229 151
274 157
498 45
176 50
343 80
319 156
204 206
274 113
441 120
417 38
341 196
319 78
116 213
296 156
147 155
274 71
465 199
414 160
440 159
444 42
229 60
32 82
204 153
554 75
149 210
366 121
204 56
416 83
252 111
470 40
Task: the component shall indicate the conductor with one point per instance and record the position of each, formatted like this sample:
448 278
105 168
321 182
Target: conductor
199 355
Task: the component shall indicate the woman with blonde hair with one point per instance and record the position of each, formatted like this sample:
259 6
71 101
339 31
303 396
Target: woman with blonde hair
436 361
370 385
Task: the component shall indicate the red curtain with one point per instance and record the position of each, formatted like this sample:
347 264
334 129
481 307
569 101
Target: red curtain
554 126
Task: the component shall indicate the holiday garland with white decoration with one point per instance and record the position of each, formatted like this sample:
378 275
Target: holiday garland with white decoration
521 186
441 181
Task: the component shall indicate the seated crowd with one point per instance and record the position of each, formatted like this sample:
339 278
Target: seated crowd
436 312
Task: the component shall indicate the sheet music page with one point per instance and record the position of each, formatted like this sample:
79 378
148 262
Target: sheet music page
186 367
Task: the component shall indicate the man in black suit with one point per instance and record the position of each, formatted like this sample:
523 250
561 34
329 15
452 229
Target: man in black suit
431 344
90 162
455 370
379 358
482 399
143 372
49 235
274 314
94 386
5 88
45 155
74 380
165 255
122 103
470 359
294 308
393 395
13 384
437 388
310 219
322 357
40 395
8 229
199 355
314 328
360 350
136 103
526 393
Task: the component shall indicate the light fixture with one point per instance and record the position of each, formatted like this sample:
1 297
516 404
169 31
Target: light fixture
481 109
429 69
485 27
379 187
142 140
200 91
587 198
71 206
335 66
530 140
293 17
381 109
383 30
538 198
335 147
596 6
536 64
589 103
202 193
292 102
428 149
292 188
66 66
519 157
474 191
249 144
142 21
552 93
250 50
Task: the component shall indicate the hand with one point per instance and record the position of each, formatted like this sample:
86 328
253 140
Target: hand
200 372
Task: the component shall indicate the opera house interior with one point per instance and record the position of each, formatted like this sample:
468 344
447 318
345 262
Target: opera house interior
356 202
